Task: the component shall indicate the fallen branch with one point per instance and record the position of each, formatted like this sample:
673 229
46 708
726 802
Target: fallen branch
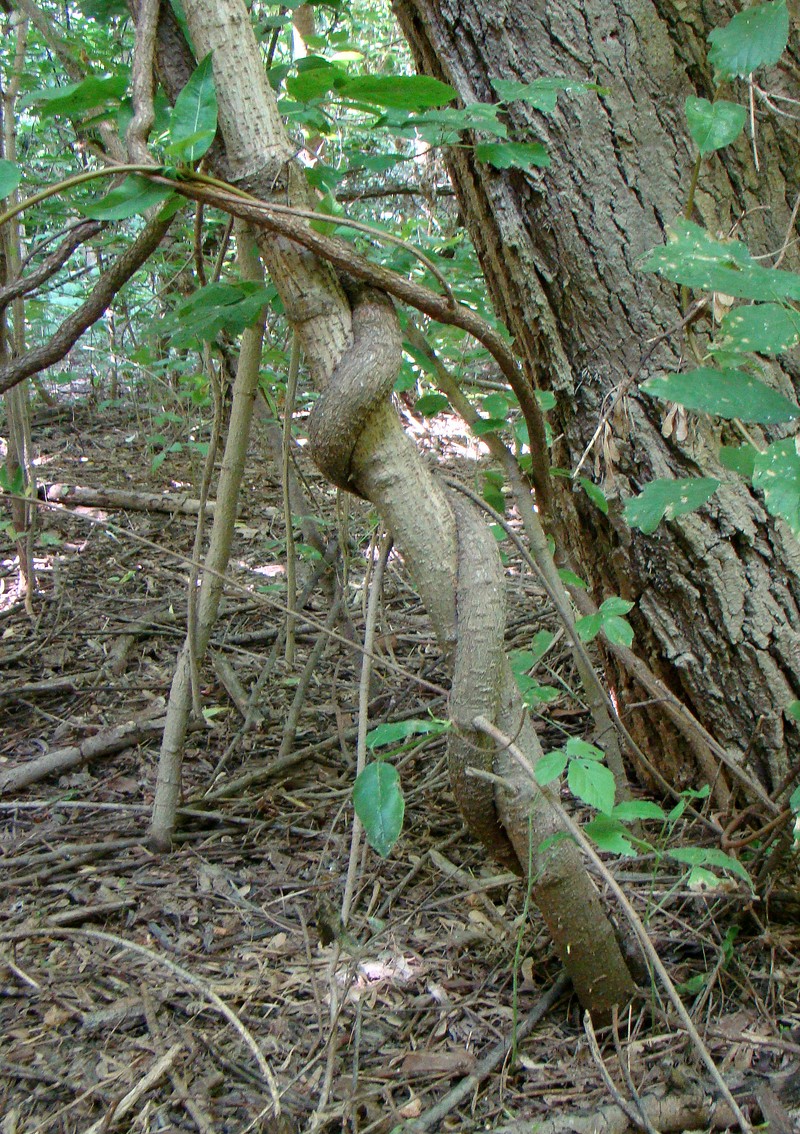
178 971
633 1111
104 743
695 1111
126 1104
489 1063
115 498
47 686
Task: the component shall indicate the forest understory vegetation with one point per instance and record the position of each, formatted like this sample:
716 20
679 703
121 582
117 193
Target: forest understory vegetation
399 432
440 963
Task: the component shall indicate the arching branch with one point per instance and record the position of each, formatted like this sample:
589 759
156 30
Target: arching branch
99 299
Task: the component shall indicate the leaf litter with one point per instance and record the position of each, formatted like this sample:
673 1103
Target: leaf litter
114 961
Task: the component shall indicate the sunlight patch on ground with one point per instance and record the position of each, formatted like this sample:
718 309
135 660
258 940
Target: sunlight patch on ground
445 433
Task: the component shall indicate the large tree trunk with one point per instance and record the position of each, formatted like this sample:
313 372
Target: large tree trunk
717 592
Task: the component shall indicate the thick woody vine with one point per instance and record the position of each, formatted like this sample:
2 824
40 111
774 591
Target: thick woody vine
385 466
352 348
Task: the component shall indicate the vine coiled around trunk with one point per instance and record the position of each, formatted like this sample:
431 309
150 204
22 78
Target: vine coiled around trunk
362 380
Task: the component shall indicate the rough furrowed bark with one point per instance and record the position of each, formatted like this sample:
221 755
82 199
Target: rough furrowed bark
378 461
717 593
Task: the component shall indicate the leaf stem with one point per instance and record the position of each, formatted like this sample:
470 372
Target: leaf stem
70 183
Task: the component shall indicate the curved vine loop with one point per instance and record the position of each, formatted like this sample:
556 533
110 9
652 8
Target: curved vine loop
363 379
360 383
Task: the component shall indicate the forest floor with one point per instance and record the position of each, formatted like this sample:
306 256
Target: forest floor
206 988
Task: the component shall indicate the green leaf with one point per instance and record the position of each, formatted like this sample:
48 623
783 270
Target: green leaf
714 124
595 494
618 631
767 328
378 163
488 425
492 494
631 809
194 116
709 856
593 783
609 835
777 474
316 76
697 983
542 641
740 459
75 99
537 694
694 259
207 311
525 683
521 661
541 93
378 800
171 206
728 942
756 37
399 92
668 499
135 195
570 579
449 123
324 178
589 627
582 748
495 405
725 393
687 795
430 404
550 766
103 10
15 484
546 399
513 155
793 710
421 359
10 177
615 605
395 731
794 803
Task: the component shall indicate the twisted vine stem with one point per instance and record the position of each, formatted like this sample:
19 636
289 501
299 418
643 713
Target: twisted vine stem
360 383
